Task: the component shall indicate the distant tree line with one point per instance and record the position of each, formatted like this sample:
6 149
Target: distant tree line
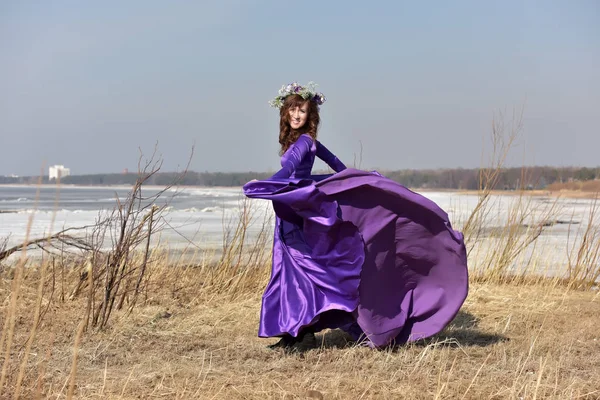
509 178
457 178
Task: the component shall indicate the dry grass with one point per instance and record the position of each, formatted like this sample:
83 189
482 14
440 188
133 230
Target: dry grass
576 186
564 194
189 341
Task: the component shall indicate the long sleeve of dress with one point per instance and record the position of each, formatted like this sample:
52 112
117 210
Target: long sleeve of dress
329 158
293 157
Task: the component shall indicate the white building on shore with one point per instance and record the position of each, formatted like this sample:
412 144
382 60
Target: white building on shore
56 171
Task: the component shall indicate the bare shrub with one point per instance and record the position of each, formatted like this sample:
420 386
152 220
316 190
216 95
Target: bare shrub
117 275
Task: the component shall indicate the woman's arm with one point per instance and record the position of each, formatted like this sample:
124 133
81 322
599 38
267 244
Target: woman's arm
324 154
292 158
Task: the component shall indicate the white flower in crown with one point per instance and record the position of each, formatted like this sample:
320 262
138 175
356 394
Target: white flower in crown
307 92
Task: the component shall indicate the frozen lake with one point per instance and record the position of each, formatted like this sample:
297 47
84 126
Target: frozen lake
197 217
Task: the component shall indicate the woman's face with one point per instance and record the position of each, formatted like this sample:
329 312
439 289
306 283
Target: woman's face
298 116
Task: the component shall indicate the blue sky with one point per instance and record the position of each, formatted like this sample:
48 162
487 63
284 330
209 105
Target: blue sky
416 84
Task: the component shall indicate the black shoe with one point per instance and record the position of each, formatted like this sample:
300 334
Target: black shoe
285 341
304 342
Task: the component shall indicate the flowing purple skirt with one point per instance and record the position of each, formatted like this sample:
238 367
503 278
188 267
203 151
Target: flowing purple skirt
358 251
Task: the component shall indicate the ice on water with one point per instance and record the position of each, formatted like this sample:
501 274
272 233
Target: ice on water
198 215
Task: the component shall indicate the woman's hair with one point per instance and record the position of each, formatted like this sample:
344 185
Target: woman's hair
287 135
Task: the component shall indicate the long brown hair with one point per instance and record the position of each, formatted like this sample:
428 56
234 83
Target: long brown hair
287 135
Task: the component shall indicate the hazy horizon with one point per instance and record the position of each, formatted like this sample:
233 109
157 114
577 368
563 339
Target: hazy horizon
85 85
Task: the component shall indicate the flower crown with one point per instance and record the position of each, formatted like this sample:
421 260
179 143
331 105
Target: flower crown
307 92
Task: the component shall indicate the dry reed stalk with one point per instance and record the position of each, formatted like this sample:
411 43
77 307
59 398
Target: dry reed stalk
502 142
584 265
518 232
242 263
34 325
42 372
73 373
40 292
9 320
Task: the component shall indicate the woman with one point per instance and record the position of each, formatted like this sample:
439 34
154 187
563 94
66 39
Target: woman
352 250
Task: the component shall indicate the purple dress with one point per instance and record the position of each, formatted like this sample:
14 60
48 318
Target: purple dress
357 251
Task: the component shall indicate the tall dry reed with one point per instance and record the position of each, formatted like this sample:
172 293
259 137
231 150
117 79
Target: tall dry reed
584 250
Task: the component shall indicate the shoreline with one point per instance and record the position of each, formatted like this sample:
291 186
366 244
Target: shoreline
566 193
73 186
570 194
